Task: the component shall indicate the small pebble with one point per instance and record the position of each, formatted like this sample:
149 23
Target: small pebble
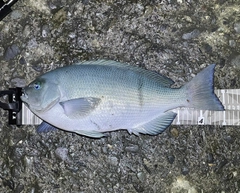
174 132
193 34
16 14
11 52
22 60
105 149
45 31
184 170
9 183
228 139
62 153
222 163
229 176
19 188
18 82
236 61
210 158
132 148
141 176
26 31
113 161
171 159
237 27
85 2
232 43
206 48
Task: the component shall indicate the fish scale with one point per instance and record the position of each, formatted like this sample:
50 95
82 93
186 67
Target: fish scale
117 82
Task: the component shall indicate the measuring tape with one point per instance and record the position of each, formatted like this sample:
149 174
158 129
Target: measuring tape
230 99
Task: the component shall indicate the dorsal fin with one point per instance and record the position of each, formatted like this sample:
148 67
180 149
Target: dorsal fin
163 80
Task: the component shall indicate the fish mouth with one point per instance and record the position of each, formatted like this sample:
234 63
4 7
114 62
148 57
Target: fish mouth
24 94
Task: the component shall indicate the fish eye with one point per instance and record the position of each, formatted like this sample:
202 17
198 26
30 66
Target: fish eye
37 85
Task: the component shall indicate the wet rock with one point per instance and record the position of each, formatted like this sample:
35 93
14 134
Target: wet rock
220 165
185 170
16 153
171 159
174 131
229 176
59 17
232 43
228 138
18 82
138 187
141 176
132 148
85 2
11 52
210 158
222 62
182 185
55 5
37 67
206 48
236 61
22 60
19 188
190 35
32 43
28 162
26 30
45 31
113 161
62 153
9 183
147 165
16 14
105 149
237 27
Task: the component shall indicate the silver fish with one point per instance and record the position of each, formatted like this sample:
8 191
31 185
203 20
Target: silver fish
94 97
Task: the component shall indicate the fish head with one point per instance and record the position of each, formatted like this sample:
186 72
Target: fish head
41 95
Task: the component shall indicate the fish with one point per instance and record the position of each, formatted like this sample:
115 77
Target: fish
93 98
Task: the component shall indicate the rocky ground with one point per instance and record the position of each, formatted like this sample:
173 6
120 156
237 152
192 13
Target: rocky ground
174 37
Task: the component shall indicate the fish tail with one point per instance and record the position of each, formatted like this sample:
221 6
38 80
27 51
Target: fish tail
200 91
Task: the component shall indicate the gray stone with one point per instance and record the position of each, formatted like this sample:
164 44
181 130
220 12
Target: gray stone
237 27
11 52
190 35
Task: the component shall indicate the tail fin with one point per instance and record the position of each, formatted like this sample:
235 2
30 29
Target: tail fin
200 91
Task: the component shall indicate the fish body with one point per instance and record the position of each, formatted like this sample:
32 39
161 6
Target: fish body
94 97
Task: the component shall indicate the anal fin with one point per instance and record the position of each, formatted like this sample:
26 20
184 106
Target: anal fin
155 126
45 127
92 134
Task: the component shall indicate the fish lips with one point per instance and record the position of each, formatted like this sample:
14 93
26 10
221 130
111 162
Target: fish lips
24 96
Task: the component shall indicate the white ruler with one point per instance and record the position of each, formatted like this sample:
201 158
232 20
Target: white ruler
230 99
28 118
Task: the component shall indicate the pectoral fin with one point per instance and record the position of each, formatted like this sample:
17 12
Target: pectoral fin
76 108
155 126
